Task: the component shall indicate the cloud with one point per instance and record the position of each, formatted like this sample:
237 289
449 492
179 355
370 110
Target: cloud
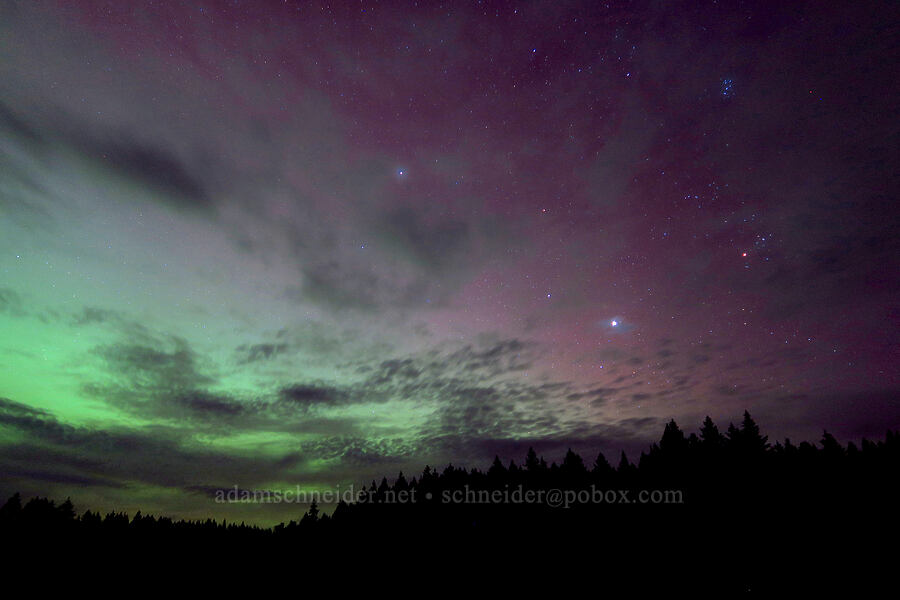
118 456
260 352
633 435
342 286
360 451
150 369
58 477
151 167
503 357
434 244
11 303
18 126
309 395
395 369
207 404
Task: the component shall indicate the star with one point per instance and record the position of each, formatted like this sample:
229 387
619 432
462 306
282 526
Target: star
613 323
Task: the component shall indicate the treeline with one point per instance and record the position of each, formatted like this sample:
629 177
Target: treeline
44 517
731 498
736 468
709 474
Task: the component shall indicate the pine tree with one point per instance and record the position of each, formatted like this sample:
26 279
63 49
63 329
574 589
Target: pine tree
497 472
673 441
12 509
531 461
312 514
66 510
624 465
832 448
710 437
573 464
601 469
751 439
733 435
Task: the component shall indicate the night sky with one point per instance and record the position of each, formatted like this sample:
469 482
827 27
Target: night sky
271 244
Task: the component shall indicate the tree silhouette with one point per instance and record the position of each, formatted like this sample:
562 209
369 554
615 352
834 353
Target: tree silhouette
531 461
750 440
312 514
765 492
711 439
602 470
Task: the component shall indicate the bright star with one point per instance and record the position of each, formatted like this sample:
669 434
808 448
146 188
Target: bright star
613 322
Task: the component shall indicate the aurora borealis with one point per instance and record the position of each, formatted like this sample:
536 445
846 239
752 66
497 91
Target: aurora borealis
271 244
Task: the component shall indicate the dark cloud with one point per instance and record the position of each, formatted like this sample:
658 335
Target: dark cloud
124 326
57 477
164 381
639 424
93 315
594 394
312 395
339 287
10 408
360 452
436 245
11 303
260 352
396 369
147 368
145 164
118 456
38 422
322 426
412 259
209 404
18 126
155 168
502 357
466 410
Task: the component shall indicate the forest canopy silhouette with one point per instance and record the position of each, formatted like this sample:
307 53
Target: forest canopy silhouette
682 477
732 505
